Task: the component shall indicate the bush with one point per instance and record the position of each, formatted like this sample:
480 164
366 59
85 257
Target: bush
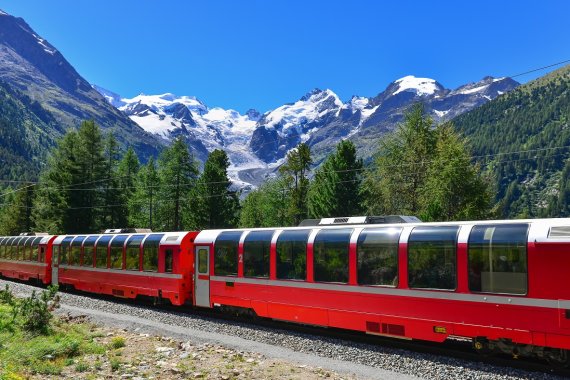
37 310
118 342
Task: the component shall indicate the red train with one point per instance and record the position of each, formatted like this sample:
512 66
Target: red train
502 284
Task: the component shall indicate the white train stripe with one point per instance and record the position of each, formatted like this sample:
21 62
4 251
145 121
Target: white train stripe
390 291
31 263
121 271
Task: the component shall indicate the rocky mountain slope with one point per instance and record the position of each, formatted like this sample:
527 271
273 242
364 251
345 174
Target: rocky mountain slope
257 144
37 70
522 139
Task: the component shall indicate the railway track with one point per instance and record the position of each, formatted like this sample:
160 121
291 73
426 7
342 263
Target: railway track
441 354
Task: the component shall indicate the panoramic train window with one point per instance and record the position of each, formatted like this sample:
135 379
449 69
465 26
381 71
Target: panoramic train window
3 248
88 251
64 250
8 249
377 256
330 252
27 245
497 258
432 257
75 254
256 253
168 260
292 255
20 247
116 252
35 254
226 253
150 252
101 251
132 257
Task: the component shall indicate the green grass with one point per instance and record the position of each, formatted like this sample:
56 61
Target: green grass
23 354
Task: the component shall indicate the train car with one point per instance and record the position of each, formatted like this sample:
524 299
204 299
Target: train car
156 265
26 258
502 284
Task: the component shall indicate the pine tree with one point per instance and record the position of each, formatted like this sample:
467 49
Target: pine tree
127 171
113 214
267 206
217 205
17 214
336 188
454 188
178 173
395 185
143 202
295 171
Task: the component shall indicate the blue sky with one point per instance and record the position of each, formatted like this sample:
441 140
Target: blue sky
261 54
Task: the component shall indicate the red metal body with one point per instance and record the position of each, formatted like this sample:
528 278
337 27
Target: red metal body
174 285
541 317
36 267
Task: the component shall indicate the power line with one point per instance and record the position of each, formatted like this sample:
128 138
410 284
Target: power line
540 68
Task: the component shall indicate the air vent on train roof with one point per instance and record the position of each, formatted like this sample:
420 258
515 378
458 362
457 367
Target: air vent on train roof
361 220
559 232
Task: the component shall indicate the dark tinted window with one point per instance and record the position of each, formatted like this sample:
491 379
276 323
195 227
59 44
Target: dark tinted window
101 251
497 258
292 255
116 252
377 256
226 254
75 255
132 256
27 243
88 251
168 260
8 251
331 255
256 253
150 252
36 256
432 257
64 250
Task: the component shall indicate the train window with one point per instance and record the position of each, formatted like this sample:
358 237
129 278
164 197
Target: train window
377 256
26 247
3 247
133 254
42 254
116 252
226 253
8 248
498 258
19 243
202 261
75 253
432 258
168 260
64 250
292 255
330 252
88 251
36 256
150 252
101 251
256 253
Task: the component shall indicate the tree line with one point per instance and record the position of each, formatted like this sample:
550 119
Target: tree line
88 185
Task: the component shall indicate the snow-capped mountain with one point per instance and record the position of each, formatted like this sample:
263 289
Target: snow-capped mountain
257 144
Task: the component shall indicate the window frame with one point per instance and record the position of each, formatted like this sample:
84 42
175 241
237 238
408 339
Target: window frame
106 239
455 250
64 250
395 231
117 239
280 244
469 243
233 234
87 245
251 258
152 238
346 270
129 248
77 243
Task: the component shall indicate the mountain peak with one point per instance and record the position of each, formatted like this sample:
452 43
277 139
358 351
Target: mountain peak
421 86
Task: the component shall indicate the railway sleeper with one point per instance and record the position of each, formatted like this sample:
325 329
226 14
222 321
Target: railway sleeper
556 357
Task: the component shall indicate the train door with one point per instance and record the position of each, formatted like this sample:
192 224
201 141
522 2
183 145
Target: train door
55 265
202 276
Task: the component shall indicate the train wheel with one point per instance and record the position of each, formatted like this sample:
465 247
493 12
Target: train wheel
558 358
481 345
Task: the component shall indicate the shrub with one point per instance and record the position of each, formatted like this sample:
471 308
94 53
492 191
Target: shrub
118 342
37 310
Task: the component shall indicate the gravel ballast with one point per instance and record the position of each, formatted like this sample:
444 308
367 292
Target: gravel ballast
362 360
